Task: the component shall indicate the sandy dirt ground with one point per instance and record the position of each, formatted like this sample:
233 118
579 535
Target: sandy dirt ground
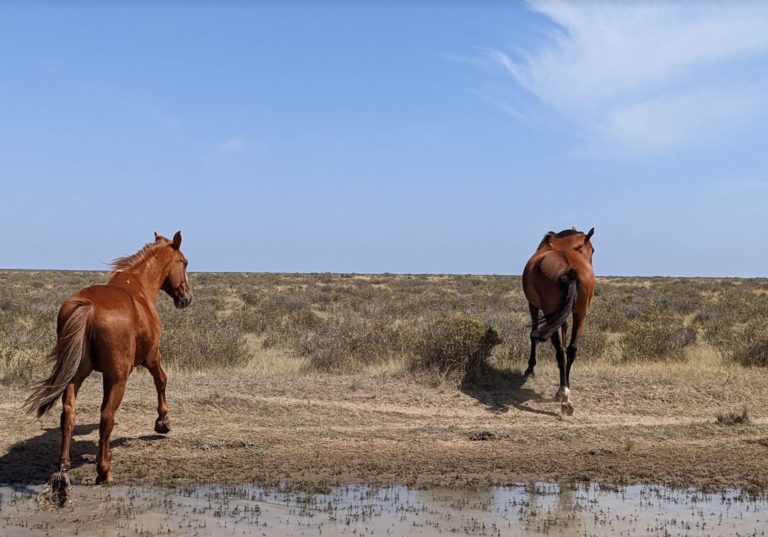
313 431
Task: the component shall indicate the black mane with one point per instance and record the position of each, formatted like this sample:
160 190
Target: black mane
563 233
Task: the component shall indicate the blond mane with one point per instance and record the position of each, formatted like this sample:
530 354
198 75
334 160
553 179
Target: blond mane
122 264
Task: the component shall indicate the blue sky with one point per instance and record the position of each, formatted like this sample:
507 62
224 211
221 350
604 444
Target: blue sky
390 137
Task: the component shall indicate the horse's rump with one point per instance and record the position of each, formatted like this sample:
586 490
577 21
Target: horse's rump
568 283
71 345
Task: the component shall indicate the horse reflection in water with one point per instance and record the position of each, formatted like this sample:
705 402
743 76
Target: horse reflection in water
112 329
558 281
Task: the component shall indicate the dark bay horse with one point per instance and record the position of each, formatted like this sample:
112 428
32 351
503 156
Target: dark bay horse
559 281
113 328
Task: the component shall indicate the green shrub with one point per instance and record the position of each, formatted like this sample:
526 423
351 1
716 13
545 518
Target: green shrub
592 344
186 346
607 312
722 319
656 338
350 343
22 366
456 344
751 347
205 335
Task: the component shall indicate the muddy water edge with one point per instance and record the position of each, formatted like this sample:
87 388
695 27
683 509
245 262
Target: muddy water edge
531 509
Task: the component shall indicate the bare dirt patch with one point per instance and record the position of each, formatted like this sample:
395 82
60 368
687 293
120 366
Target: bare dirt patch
630 426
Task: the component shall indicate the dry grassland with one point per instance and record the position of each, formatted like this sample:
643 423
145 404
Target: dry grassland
325 379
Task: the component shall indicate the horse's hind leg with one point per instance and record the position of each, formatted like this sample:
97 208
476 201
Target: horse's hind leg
578 331
163 423
564 333
113 395
534 323
563 392
68 400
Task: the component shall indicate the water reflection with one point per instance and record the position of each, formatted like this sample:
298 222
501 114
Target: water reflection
532 509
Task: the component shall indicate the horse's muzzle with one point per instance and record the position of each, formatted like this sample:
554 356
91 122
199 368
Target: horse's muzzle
184 301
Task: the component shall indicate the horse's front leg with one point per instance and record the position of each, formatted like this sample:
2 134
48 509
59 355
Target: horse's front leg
163 423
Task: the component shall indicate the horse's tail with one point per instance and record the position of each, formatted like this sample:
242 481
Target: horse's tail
72 343
547 326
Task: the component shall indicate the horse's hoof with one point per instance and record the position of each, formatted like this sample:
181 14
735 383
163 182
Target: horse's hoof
566 409
163 426
58 492
104 479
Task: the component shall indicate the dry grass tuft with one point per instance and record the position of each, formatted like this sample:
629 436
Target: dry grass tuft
734 418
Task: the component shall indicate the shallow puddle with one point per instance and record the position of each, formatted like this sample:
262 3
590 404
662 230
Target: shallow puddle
541 509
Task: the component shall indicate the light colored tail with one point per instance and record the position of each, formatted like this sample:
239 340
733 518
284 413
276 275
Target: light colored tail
549 325
67 354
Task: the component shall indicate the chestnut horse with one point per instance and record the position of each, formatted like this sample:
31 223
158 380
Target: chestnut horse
113 328
559 281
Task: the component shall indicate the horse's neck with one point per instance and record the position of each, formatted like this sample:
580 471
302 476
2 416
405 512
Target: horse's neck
560 244
146 278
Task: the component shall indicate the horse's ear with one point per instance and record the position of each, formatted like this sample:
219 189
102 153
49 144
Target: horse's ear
546 239
176 244
590 233
160 238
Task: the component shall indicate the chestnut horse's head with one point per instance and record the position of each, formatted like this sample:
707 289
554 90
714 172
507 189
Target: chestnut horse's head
176 283
571 239
586 248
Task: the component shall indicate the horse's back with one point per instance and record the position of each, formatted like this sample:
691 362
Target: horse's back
108 301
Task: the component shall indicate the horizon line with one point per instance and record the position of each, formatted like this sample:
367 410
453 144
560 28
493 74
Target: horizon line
442 274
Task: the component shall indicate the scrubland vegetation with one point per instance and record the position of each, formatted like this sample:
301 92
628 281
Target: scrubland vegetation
398 323
334 379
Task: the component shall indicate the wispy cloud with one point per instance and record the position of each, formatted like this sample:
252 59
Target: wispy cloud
504 106
647 77
746 184
229 148
229 151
